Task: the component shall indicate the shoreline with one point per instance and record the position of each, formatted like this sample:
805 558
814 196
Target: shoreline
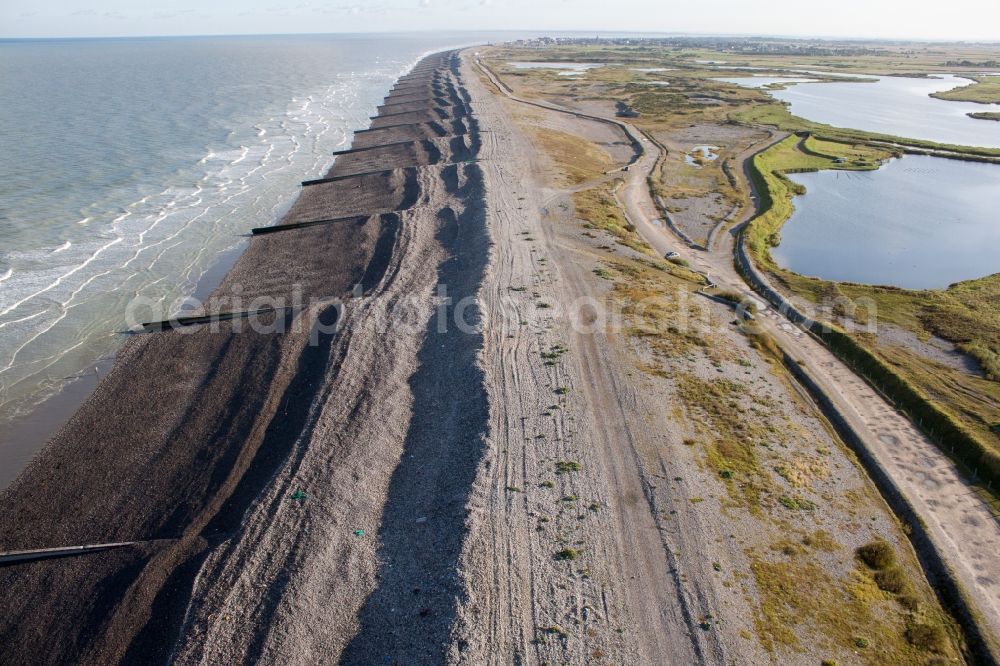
25 435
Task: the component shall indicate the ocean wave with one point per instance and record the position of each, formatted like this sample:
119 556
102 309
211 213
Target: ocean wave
160 244
60 279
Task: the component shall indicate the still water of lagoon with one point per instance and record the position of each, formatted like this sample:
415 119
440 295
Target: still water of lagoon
918 222
897 106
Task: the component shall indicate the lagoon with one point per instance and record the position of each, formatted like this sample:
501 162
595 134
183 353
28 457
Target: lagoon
918 222
897 106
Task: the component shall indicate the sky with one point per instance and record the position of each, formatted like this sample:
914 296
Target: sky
917 19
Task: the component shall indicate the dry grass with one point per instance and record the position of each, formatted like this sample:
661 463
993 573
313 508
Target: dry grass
806 608
576 159
598 209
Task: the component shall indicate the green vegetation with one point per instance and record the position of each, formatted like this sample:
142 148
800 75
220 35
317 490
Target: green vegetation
796 503
602 272
927 637
732 437
985 115
984 90
554 354
803 602
891 580
564 467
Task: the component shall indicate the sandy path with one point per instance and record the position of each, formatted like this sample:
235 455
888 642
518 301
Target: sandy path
523 605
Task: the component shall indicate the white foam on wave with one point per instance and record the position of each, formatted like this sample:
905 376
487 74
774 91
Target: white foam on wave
52 285
244 151
158 245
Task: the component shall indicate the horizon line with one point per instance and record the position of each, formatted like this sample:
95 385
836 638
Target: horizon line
583 33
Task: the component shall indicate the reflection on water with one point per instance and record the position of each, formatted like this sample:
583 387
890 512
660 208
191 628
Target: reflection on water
918 222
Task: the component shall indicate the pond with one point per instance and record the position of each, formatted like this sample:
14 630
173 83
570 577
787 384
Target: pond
897 106
701 154
565 68
918 222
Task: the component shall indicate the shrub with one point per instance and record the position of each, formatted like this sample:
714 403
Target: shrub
877 555
567 554
891 580
926 637
567 467
728 295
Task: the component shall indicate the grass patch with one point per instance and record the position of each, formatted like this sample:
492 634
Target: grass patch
892 580
567 554
577 160
927 637
566 467
804 606
597 207
984 90
731 436
796 503
877 555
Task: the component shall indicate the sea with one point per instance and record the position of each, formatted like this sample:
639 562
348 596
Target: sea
134 168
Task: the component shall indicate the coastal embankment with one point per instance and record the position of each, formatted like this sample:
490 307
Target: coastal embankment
305 361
